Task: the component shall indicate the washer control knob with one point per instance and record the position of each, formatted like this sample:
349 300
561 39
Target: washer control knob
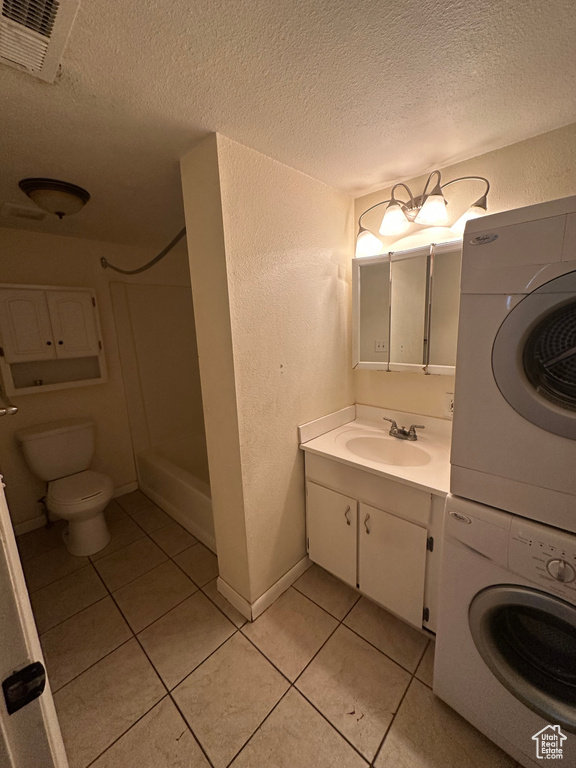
561 570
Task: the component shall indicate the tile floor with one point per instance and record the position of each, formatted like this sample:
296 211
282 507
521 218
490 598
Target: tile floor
152 668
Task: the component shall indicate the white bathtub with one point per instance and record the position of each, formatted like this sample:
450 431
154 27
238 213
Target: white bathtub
174 475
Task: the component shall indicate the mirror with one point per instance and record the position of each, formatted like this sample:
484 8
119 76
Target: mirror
406 310
408 313
374 309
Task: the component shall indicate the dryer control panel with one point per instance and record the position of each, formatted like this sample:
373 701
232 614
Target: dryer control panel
545 556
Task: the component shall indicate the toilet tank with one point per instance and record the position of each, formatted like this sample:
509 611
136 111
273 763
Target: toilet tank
59 448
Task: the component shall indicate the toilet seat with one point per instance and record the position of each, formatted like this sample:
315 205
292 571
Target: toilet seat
82 487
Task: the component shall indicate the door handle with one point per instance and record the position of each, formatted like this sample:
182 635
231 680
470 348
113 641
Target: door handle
346 515
366 520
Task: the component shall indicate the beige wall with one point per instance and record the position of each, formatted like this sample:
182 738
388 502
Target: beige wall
37 259
533 171
283 249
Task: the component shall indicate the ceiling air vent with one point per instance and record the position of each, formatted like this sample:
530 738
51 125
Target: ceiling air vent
33 34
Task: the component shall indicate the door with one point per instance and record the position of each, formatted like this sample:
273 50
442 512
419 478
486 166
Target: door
392 562
527 638
30 737
73 323
331 524
26 329
534 357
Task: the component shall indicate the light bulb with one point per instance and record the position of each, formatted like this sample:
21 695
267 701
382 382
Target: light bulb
394 221
474 212
433 211
367 244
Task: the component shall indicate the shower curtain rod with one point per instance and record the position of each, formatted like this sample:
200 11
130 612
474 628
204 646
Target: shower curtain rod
105 264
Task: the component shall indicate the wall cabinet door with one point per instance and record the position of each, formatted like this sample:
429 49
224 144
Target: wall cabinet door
25 323
332 531
73 323
392 562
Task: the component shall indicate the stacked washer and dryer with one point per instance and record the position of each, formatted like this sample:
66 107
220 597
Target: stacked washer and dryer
506 642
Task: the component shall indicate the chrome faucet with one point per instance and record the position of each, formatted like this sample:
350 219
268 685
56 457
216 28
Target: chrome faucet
401 432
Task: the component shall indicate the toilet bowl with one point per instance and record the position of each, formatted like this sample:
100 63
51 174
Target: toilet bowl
60 453
81 499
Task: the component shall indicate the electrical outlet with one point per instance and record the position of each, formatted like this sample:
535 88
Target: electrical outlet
449 404
380 345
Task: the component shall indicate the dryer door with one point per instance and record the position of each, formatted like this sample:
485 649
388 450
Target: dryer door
527 638
534 357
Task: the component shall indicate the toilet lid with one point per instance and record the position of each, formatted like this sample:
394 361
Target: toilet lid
79 487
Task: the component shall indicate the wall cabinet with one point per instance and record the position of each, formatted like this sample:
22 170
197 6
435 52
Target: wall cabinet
405 310
379 537
50 338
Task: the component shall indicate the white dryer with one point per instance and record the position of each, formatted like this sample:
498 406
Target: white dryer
514 435
506 645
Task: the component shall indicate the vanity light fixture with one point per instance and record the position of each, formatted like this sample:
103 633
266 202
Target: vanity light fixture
427 209
58 197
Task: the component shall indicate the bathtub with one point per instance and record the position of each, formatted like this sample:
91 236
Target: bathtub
174 475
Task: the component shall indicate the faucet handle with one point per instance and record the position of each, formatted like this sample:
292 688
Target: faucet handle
412 431
394 425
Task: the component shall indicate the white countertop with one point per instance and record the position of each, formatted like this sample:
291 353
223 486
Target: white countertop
433 444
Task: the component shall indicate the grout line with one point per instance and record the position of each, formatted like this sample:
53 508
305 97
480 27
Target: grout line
72 616
55 691
321 606
125 732
280 700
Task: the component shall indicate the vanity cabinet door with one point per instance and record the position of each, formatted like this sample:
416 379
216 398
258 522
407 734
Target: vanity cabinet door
392 562
331 524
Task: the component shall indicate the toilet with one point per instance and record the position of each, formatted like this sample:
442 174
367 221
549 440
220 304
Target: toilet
60 452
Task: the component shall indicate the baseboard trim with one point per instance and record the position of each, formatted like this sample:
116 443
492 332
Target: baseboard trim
30 525
251 611
128 488
234 598
283 583
180 517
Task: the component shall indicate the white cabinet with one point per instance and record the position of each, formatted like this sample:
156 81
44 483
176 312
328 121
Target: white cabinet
377 535
73 323
392 562
25 322
50 338
331 528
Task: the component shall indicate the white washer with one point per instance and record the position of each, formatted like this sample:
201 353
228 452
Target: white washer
506 645
514 436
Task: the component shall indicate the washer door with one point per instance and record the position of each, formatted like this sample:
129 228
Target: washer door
527 638
534 357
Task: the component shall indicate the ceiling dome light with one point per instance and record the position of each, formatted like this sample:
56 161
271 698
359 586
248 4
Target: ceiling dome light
57 197
477 209
367 244
394 221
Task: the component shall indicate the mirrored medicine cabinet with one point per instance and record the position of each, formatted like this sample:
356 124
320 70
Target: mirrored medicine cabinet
405 309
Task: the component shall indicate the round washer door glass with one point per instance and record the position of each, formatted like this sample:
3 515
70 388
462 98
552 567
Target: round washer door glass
534 357
527 638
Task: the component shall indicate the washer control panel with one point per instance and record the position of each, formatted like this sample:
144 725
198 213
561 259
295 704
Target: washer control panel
544 555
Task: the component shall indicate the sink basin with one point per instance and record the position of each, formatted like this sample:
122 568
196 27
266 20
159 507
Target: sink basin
387 450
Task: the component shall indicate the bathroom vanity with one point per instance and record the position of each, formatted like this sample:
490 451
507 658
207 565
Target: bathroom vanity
375 504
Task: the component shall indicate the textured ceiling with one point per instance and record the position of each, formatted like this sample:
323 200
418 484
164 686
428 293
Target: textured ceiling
355 94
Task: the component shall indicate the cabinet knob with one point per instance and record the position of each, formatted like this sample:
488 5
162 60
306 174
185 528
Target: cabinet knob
346 515
366 520
60 342
48 343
